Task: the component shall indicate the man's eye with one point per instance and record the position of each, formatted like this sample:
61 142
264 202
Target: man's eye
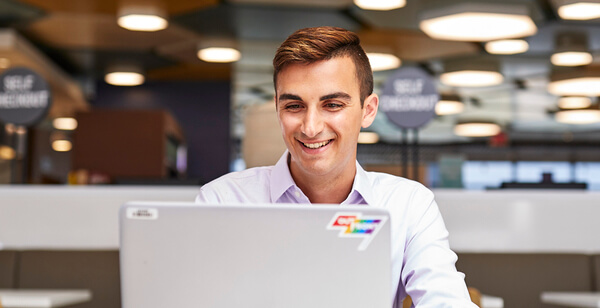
293 106
333 105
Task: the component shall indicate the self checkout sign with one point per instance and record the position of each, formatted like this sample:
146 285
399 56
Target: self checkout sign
24 97
409 97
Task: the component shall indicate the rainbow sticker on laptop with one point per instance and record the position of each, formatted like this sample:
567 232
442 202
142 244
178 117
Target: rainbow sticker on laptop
354 225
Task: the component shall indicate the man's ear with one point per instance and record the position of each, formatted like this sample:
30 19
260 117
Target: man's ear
370 106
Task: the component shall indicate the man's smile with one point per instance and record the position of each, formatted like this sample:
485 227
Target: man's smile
316 145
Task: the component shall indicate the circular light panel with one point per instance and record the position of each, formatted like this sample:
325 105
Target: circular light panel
124 78
506 47
471 78
61 145
477 129
574 102
219 54
446 107
478 27
380 5
579 11
583 86
65 123
383 61
584 116
142 22
571 58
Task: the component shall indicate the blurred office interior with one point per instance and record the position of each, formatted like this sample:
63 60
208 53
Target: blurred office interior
518 199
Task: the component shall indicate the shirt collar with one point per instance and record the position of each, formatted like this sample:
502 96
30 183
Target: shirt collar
281 178
281 181
362 186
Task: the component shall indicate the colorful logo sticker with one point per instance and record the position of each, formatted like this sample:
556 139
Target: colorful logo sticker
355 225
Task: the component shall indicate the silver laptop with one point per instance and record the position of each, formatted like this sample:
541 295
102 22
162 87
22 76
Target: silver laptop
228 256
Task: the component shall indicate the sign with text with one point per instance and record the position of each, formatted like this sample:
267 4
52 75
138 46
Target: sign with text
24 97
409 97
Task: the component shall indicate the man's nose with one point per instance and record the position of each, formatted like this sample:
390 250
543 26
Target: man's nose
312 123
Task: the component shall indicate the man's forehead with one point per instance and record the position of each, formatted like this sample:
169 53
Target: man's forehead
306 68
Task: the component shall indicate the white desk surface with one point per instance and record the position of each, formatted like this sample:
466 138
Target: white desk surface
572 299
488 301
30 298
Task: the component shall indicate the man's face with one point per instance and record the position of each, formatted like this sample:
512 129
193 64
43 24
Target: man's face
320 114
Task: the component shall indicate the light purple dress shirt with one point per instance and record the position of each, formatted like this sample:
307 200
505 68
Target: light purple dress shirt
423 266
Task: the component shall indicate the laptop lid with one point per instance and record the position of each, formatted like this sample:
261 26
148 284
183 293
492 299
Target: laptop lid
189 255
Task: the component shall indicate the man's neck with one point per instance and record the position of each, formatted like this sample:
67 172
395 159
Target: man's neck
331 188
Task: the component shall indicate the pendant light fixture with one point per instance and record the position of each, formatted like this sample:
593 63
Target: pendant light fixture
471 73
571 49
574 102
578 116
124 75
580 81
506 47
473 20
380 5
449 104
137 17
218 50
579 9
477 128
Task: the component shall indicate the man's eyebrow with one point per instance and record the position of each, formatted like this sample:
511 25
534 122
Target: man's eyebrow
292 97
341 95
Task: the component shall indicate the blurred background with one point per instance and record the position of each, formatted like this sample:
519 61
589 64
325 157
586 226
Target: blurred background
186 118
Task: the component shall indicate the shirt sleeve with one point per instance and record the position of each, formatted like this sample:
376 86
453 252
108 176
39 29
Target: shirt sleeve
429 273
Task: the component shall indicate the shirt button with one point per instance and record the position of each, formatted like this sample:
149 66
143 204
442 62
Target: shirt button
297 193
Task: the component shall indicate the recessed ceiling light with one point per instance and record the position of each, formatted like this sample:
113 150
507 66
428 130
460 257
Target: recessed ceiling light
142 18
7 153
469 78
380 5
571 58
62 145
368 137
578 116
65 123
219 54
477 21
449 104
477 129
581 81
580 10
506 47
124 75
574 102
383 61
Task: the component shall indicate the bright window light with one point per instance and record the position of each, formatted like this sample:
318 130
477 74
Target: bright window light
61 145
380 5
368 137
478 27
65 123
580 11
446 107
124 78
584 116
506 47
571 58
574 102
383 61
583 86
477 129
219 54
471 78
142 22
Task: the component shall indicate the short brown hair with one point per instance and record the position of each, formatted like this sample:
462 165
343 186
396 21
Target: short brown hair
310 45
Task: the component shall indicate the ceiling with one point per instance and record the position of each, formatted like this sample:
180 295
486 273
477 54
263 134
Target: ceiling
81 39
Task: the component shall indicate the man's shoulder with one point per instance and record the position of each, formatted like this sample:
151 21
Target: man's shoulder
387 181
391 188
250 185
251 175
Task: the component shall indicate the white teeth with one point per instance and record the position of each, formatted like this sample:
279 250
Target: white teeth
315 145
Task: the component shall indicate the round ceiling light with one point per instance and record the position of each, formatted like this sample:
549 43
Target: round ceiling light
477 129
7 153
580 10
142 18
578 116
62 145
383 61
64 123
447 106
506 47
219 54
574 102
380 5
471 78
571 58
582 86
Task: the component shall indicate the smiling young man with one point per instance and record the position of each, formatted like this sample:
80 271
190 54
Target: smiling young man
324 96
